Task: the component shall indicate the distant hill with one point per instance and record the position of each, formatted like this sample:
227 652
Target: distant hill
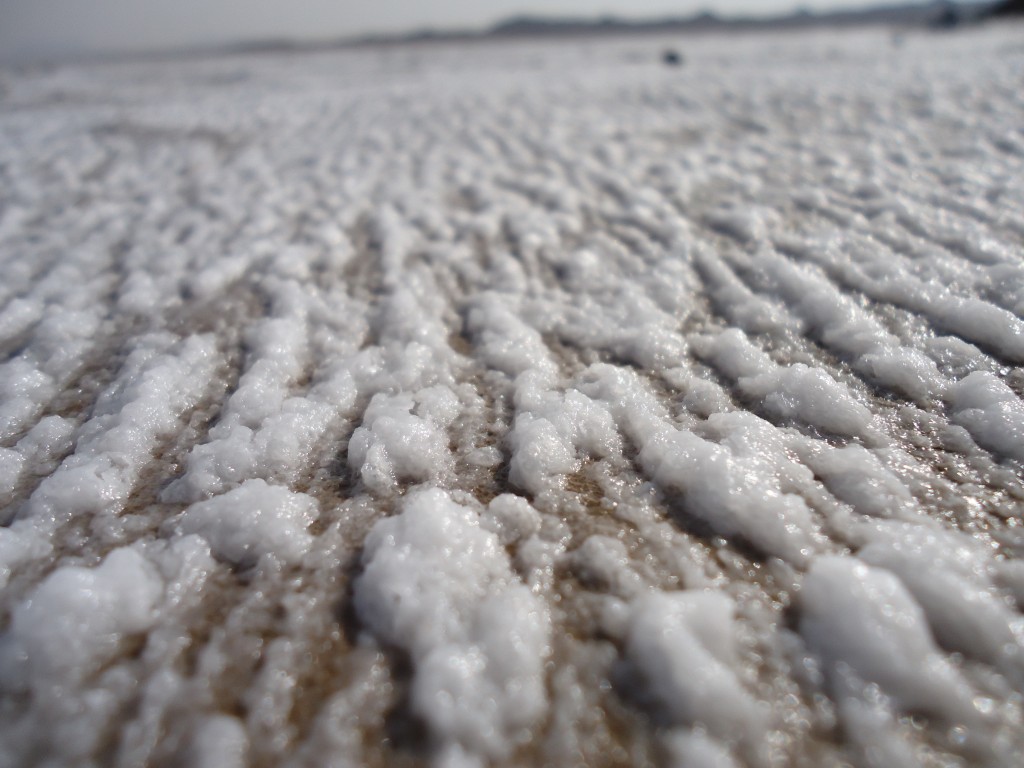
938 12
1009 8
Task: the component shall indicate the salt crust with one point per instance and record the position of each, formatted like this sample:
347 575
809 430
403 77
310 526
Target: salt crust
253 520
736 350
439 586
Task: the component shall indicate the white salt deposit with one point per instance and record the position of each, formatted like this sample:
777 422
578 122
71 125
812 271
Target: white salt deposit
991 412
794 392
684 647
393 444
950 575
864 623
220 742
76 619
439 586
857 476
511 518
519 404
253 520
697 750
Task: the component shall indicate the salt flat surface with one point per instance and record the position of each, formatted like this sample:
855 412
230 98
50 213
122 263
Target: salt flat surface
517 404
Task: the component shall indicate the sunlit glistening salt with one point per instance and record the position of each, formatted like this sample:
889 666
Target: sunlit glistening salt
520 404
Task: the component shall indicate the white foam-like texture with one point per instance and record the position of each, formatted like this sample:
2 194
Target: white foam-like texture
950 577
533 403
77 617
438 585
684 646
862 619
253 520
991 412
787 392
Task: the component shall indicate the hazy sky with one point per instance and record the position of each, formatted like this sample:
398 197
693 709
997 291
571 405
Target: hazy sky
45 27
